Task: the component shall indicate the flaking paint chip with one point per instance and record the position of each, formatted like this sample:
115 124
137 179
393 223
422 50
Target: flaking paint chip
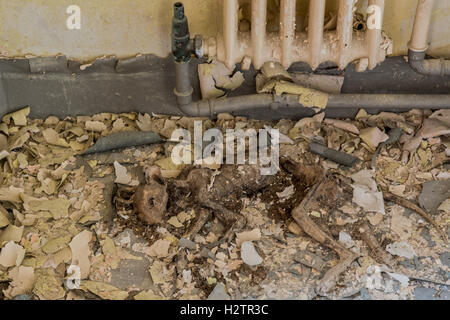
19 117
11 255
159 249
122 176
81 252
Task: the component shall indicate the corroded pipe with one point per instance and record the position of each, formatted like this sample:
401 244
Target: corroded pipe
269 102
287 31
345 31
342 46
315 31
259 21
230 26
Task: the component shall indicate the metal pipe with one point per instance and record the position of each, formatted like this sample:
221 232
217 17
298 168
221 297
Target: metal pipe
287 30
419 44
300 48
210 108
259 21
391 101
288 46
419 37
315 31
230 30
345 30
183 87
374 32
431 67
181 54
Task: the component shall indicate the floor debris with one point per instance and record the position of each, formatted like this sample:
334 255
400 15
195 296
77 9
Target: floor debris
140 227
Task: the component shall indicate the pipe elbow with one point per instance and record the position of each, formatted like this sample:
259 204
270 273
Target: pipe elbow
431 67
200 108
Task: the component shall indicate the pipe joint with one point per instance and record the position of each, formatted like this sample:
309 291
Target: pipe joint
432 67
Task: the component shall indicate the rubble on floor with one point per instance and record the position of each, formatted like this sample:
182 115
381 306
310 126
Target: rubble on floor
220 231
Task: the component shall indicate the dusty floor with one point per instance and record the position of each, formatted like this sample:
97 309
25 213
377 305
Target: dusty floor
58 208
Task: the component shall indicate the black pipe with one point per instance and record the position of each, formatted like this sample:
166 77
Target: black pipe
180 34
431 67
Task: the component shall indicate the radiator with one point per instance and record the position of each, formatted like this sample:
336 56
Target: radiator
342 46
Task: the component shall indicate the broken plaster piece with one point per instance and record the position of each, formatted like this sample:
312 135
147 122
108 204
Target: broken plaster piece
19 117
11 255
286 193
96 126
249 254
344 125
307 97
22 281
434 128
11 233
215 76
52 137
219 293
253 235
373 137
365 192
123 177
11 194
159 249
81 252
401 249
346 239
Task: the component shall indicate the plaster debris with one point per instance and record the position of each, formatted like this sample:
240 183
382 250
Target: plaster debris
122 176
249 254
373 137
81 252
253 235
166 231
401 249
365 192
11 255
346 239
159 249
219 293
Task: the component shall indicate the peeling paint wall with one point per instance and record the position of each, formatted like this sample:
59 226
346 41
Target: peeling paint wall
128 27
399 19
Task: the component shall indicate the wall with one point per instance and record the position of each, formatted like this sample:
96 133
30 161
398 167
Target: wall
128 27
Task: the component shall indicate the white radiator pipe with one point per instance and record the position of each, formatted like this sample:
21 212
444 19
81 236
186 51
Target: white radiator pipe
374 26
287 30
419 39
230 30
315 31
259 22
345 31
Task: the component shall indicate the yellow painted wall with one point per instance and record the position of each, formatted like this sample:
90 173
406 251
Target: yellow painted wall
127 27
